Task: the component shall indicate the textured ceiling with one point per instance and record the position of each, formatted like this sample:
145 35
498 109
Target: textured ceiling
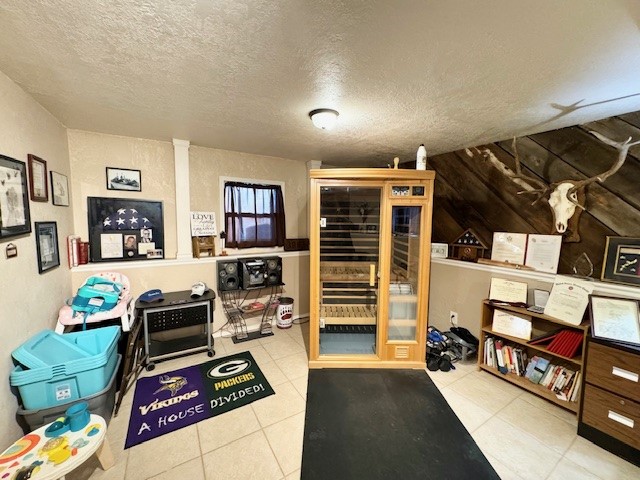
243 74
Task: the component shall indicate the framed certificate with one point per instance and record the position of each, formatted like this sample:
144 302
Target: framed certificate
508 291
509 247
510 324
543 252
616 319
568 299
38 179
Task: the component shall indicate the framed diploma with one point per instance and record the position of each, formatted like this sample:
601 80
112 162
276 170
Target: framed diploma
568 299
508 291
543 252
38 179
509 247
510 324
616 319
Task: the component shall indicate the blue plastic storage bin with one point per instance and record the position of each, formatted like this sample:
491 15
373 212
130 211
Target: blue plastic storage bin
46 349
47 387
100 403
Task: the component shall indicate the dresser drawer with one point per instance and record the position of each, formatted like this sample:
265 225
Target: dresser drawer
614 370
612 414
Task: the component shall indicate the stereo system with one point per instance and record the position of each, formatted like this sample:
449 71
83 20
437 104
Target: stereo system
248 273
228 278
274 270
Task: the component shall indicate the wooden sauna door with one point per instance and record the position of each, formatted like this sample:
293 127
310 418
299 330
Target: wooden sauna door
349 269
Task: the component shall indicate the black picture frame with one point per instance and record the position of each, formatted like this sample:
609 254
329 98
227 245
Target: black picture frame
621 262
124 179
47 246
15 218
615 319
112 221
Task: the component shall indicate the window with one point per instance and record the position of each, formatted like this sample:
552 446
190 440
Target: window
253 215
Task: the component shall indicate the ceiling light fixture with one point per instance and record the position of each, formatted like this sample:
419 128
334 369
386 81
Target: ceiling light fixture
324 118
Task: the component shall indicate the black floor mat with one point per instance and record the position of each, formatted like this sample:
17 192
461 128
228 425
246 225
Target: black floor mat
384 424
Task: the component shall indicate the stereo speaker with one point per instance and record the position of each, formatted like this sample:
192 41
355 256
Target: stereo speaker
274 270
228 278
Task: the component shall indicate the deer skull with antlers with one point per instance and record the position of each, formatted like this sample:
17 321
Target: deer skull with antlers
566 198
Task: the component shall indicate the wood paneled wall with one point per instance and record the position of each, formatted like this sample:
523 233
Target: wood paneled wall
473 191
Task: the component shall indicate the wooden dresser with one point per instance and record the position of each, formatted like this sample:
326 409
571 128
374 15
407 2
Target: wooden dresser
610 412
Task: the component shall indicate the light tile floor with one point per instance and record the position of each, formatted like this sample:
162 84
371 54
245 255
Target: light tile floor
523 436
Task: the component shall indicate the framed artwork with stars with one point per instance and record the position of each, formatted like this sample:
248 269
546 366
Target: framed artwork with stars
124 229
14 198
621 262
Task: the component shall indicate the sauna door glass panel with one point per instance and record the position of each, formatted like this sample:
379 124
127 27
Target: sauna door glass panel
349 254
405 261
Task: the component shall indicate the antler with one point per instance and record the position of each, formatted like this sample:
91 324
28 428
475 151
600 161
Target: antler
543 187
623 149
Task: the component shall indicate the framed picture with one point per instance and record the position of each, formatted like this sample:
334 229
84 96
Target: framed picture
122 229
47 246
439 250
14 198
621 262
615 319
38 179
123 179
59 189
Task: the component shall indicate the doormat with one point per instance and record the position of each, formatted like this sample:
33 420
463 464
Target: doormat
381 424
170 401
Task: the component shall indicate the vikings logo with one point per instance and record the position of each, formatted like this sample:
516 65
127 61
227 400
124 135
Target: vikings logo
173 384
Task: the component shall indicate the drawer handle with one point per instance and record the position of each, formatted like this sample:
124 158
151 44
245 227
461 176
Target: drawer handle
616 417
620 372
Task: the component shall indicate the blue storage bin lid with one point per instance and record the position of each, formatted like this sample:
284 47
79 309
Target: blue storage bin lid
100 344
95 341
46 349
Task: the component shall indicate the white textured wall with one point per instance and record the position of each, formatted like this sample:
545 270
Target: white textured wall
29 302
208 164
454 287
177 277
90 153
462 286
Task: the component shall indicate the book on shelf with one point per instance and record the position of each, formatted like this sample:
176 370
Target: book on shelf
83 253
566 343
539 369
523 361
530 366
73 250
546 378
506 354
516 361
566 384
570 392
486 355
545 337
559 381
576 389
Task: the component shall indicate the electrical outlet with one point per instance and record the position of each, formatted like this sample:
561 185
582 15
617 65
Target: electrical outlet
453 317
322 323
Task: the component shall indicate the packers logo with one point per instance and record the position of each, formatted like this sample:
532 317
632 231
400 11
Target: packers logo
227 369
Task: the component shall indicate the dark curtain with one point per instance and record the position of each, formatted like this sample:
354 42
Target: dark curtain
254 215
